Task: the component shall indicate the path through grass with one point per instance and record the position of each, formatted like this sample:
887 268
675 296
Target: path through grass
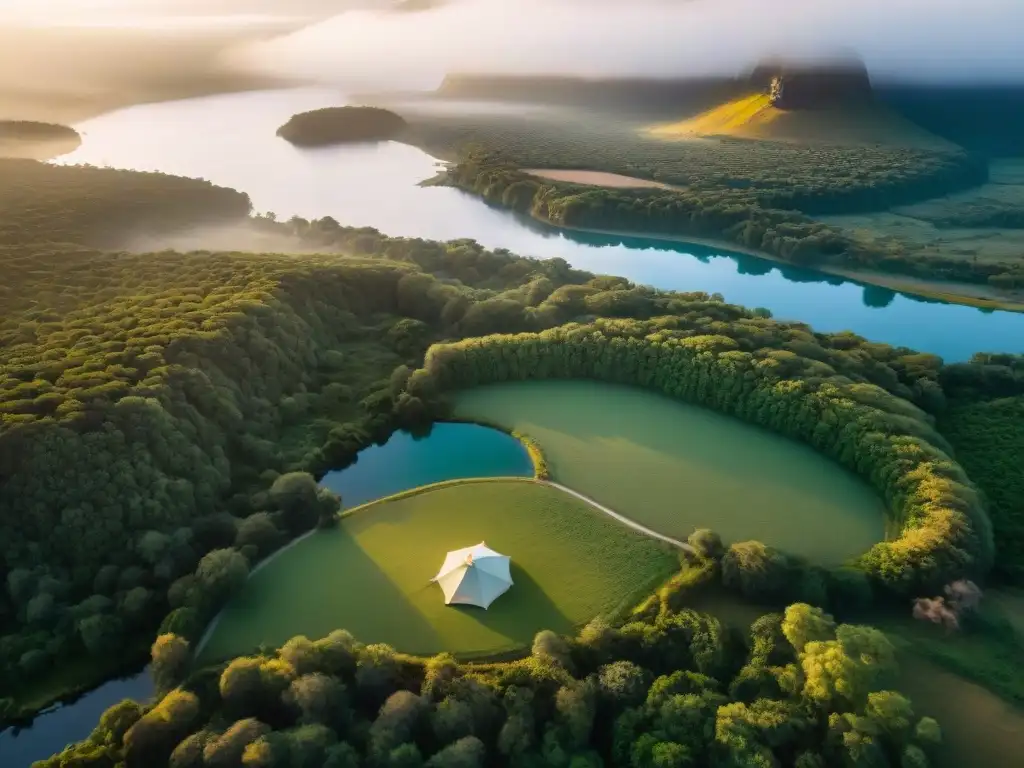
372 574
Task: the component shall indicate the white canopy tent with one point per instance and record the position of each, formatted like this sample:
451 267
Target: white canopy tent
474 576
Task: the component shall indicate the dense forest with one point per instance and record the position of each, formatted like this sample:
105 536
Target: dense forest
101 207
335 125
666 688
163 417
773 224
944 531
985 423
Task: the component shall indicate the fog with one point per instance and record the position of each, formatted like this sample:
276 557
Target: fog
934 41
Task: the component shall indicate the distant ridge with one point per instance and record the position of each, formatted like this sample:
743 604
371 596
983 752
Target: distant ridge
648 94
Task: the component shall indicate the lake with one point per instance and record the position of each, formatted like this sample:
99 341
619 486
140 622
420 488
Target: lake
230 140
674 467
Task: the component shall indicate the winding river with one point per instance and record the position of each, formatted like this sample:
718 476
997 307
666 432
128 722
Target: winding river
229 140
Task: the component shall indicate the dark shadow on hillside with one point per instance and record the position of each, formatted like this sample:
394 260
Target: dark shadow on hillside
521 612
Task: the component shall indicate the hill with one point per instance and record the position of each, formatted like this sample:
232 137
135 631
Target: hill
753 116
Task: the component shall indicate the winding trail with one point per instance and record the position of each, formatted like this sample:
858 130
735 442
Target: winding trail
621 518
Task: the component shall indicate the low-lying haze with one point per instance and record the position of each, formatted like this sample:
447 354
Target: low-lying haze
938 41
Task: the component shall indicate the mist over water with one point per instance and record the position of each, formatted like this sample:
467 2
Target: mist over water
946 41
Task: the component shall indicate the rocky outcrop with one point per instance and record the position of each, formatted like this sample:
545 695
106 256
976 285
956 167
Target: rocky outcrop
813 85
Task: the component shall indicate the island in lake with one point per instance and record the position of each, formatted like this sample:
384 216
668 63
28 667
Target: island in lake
339 125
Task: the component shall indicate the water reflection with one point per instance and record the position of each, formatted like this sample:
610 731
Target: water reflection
51 731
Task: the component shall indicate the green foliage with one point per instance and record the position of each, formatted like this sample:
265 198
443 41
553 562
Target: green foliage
988 436
334 125
945 531
166 392
639 701
42 203
169 659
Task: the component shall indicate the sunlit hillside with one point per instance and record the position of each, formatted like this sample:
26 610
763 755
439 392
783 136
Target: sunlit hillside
754 117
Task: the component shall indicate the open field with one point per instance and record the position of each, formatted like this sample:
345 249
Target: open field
675 467
371 575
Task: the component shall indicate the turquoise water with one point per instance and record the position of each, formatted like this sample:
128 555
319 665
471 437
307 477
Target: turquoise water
450 452
230 141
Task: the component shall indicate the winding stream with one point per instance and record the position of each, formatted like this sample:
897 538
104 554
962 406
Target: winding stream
229 140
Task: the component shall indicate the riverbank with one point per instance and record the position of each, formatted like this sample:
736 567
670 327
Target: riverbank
966 294
68 683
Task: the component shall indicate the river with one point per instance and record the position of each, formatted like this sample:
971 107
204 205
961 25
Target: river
230 140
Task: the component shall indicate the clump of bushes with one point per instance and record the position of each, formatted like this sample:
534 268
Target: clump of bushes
671 688
336 125
541 471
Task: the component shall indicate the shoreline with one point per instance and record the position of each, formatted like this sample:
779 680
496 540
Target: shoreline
963 294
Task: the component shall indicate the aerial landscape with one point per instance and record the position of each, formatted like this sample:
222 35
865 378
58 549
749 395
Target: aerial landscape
466 383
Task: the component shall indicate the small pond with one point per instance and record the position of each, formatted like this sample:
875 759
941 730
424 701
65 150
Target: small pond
449 452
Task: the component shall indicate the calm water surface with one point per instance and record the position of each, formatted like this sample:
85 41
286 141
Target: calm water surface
51 732
451 451
230 141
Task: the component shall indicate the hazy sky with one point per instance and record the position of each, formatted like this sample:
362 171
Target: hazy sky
908 39
916 39
132 12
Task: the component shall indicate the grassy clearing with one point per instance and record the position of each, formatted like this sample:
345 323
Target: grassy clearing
674 467
372 574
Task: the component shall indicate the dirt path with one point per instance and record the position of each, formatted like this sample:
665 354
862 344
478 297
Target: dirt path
625 520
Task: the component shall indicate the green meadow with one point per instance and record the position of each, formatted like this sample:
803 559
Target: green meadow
371 575
674 467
